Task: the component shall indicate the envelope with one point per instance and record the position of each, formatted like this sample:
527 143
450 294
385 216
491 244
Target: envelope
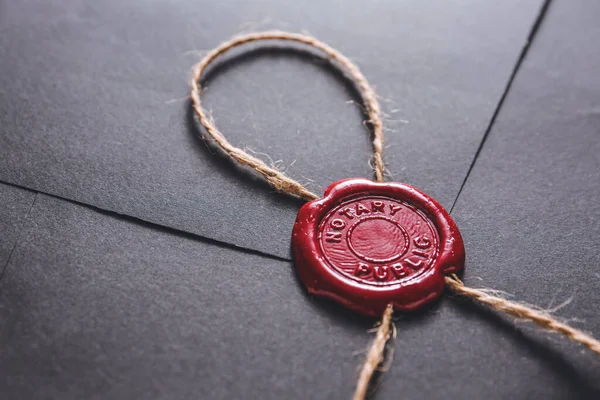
98 110
142 263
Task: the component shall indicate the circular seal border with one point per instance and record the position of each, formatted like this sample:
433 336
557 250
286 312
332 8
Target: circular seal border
367 258
322 280
370 197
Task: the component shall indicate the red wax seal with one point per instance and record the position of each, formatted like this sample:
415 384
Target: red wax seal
368 244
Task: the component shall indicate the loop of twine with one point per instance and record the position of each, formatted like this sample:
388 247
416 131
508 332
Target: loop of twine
282 183
276 178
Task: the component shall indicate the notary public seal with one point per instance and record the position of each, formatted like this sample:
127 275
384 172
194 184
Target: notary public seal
367 244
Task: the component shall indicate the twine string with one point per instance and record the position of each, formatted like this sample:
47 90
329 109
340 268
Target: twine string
284 184
277 179
523 312
375 354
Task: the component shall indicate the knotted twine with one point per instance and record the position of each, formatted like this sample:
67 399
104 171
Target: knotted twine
282 183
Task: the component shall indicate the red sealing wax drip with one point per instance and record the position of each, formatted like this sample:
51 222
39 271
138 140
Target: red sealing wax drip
367 244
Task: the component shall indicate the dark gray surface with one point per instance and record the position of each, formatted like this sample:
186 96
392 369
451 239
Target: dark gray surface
93 108
98 307
530 211
15 204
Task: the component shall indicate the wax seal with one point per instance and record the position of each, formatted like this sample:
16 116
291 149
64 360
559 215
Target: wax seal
367 244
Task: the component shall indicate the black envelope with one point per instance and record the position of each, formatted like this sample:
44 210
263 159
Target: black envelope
141 263
96 106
